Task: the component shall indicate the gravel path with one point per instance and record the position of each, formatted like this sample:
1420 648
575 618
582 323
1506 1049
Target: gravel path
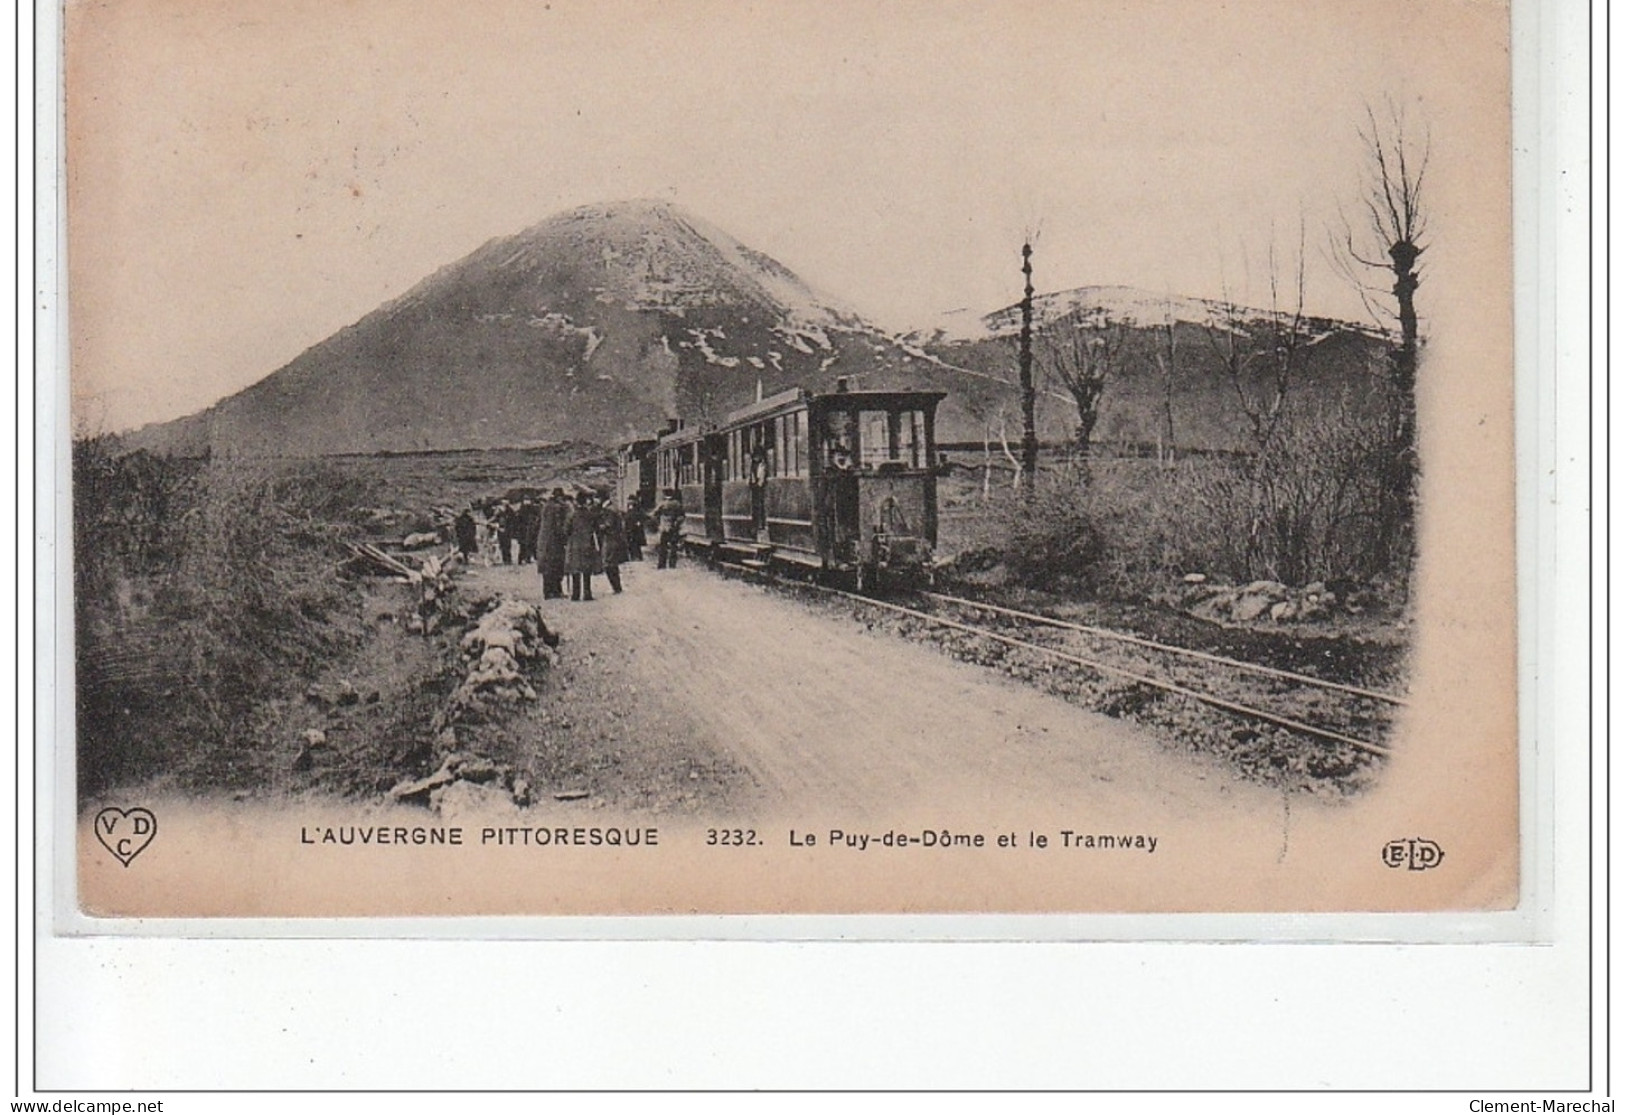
712 695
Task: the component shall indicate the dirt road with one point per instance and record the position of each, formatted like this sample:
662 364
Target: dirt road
790 709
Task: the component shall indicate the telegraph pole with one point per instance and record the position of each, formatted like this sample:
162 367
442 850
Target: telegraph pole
1029 429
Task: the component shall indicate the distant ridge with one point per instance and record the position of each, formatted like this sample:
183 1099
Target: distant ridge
1340 363
598 323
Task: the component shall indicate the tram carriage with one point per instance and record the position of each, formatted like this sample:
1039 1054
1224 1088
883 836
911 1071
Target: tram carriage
635 475
839 483
686 459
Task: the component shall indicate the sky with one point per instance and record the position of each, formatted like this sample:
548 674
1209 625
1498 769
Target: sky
246 177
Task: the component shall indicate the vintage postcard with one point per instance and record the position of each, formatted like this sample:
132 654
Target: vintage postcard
1048 457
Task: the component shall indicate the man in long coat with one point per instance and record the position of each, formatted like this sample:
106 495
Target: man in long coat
550 545
636 526
502 519
612 541
527 522
581 554
467 533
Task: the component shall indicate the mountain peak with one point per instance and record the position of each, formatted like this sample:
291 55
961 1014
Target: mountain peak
628 211
650 254
594 323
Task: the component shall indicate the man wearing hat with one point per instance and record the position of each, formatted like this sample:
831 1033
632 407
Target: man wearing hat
550 544
582 557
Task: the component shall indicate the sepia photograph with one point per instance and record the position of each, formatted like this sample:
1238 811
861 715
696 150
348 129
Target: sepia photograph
859 458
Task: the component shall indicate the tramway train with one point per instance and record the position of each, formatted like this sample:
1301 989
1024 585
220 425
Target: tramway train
841 484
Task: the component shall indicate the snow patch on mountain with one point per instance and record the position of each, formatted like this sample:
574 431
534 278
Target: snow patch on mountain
803 307
702 343
1117 304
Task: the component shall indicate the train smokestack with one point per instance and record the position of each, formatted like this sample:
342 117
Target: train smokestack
841 385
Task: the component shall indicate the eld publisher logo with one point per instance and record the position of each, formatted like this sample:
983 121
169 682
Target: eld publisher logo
1416 854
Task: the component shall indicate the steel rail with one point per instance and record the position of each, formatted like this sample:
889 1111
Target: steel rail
1236 663
1108 668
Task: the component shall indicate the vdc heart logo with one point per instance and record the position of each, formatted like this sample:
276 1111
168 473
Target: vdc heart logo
125 832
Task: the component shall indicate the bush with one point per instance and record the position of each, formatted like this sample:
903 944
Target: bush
1306 510
1052 537
1158 522
204 588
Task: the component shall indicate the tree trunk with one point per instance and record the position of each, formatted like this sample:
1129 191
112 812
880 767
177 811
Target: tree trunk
1167 434
1085 438
1029 395
987 462
1403 364
1399 487
1167 362
1016 476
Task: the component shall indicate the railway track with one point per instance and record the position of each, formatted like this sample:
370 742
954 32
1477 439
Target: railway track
1187 652
1302 704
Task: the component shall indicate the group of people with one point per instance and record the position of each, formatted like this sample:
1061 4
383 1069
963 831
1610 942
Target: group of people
511 526
516 527
576 539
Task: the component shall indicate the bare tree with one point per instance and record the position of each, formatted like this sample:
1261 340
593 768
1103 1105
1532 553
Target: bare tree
1082 353
1019 475
1260 355
1389 237
992 411
1167 365
1393 234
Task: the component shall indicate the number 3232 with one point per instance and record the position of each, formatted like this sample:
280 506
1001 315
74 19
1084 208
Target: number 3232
731 838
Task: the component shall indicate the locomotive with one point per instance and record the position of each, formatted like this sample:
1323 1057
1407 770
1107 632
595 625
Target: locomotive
841 484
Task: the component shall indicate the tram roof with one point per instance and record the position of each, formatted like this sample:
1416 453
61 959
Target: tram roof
685 435
796 397
799 396
783 400
879 399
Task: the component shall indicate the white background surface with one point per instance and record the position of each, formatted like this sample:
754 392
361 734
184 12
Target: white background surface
164 1014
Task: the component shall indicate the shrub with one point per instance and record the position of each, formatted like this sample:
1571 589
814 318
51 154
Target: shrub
1307 509
1052 537
1303 511
1160 521
204 588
